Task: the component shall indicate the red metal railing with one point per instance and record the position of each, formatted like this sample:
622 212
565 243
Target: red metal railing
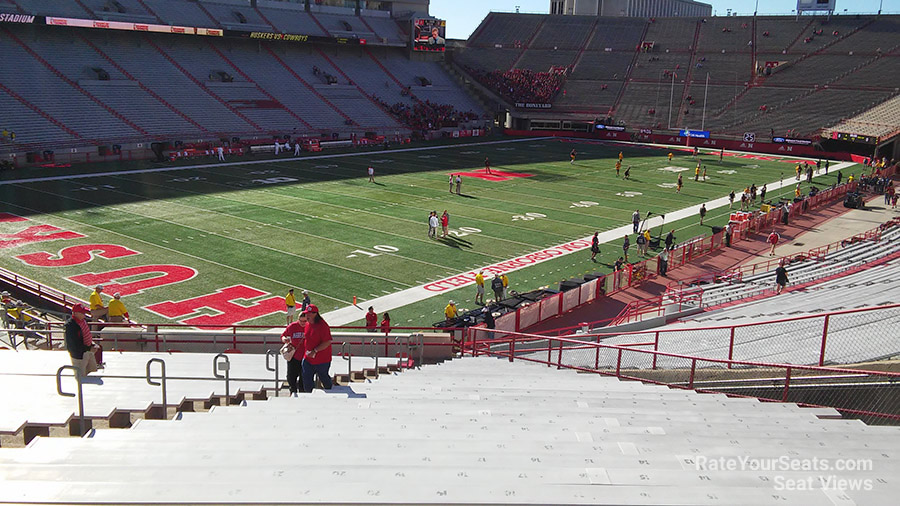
779 384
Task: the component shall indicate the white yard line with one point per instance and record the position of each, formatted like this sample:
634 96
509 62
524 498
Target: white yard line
408 296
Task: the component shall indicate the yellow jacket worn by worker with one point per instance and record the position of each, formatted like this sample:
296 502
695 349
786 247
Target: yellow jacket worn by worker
117 308
450 311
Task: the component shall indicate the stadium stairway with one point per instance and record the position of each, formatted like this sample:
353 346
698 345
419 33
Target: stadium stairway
467 431
120 393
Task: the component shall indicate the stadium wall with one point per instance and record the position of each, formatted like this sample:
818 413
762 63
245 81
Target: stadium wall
712 143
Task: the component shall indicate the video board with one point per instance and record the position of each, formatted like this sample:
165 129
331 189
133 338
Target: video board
429 34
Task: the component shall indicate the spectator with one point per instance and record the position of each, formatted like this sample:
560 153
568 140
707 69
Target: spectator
80 342
317 342
98 310
781 277
595 246
479 287
670 240
445 222
702 212
773 240
306 303
386 323
371 320
663 262
293 334
625 245
117 311
505 280
489 321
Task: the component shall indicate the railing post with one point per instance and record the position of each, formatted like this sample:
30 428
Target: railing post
731 348
234 337
824 338
655 348
512 348
80 393
225 366
549 352
693 369
559 356
597 354
273 353
348 357
161 383
787 383
619 363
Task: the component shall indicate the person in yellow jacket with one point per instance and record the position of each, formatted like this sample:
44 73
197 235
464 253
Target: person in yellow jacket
505 281
450 311
117 311
670 156
290 302
98 310
479 288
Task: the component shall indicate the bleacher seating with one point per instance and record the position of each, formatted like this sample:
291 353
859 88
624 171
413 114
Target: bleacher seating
436 435
880 121
28 391
505 29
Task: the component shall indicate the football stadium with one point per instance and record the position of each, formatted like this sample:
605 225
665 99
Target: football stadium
292 251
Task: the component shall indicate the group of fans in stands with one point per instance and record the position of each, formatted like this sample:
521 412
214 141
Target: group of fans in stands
426 116
524 85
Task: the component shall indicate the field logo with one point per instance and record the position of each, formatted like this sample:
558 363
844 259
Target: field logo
36 233
76 255
495 175
673 169
165 275
223 304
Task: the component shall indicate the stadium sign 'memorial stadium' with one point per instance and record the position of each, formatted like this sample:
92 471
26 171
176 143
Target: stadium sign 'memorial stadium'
16 18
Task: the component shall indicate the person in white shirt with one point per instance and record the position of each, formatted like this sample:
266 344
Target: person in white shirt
297 148
221 152
433 224
277 147
458 183
371 174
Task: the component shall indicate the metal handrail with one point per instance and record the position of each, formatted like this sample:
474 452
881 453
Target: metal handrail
80 393
227 368
346 355
398 342
273 353
161 383
374 344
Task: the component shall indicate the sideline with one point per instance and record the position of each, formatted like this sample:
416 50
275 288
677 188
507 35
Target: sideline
408 296
259 162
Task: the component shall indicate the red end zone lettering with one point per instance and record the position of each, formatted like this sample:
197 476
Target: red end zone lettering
76 255
167 275
222 302
10 218
494 175
37 233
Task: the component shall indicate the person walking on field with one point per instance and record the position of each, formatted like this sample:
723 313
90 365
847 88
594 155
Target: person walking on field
670 156
635 220
625 245
731 200
697 172
371 174
773 240
433 224
479 287
458 183
702 213
505 281
487 165
451 183
572 157
641 242
679 184
595 246
704 173
781 278
762 194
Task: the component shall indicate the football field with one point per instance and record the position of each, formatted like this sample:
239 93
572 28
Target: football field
222 243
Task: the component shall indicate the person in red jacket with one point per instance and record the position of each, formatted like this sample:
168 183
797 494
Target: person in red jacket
386 323
773 240
294 334
445 222
371 320
317 343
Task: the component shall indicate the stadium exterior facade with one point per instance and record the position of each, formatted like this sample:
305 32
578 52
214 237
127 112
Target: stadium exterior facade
631 8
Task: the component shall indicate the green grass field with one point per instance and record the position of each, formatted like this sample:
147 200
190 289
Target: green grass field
318 224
